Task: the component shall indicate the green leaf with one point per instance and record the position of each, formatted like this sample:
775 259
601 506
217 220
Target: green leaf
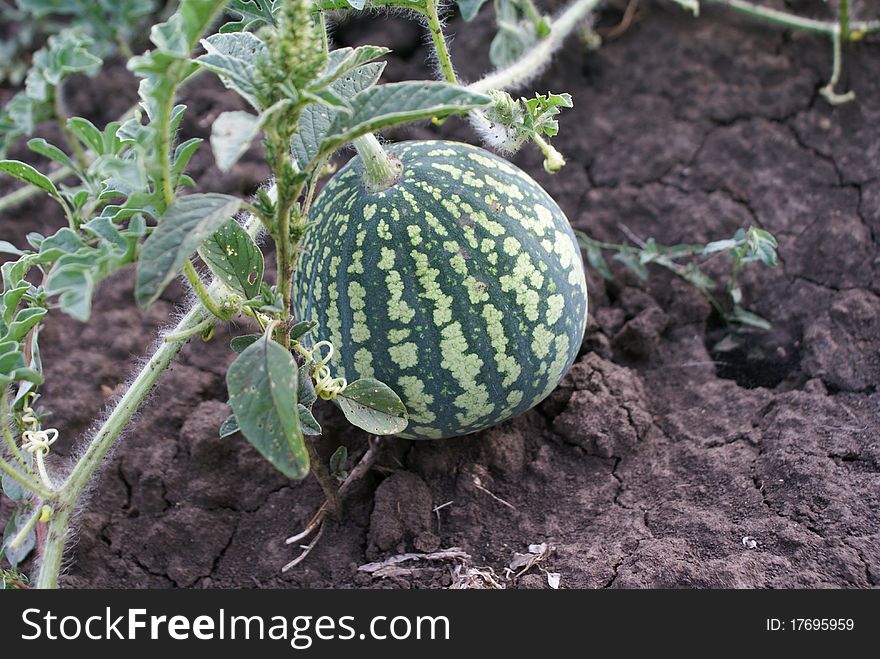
337 462
235 259
7 247
740 315
231 135
239 343
262 385
384 106
186 224
86 132
24 172
307 421
23 322
373 406
233 57
633 264
343 60
315 119
229 427
50 151
306 394
253 13
16 555
470 8
13 489
302 328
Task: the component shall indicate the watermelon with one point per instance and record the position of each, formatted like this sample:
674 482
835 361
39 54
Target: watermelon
461 286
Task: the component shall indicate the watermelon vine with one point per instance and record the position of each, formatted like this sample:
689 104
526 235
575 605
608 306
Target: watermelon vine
431 289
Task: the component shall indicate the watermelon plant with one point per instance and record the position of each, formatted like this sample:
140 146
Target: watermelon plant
431 289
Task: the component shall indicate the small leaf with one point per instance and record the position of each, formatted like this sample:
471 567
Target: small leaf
302 328
24 172
234 258
239 343
307 421
13 489
384 106
231 135
16 555
337 462
262 385
233 57
740 315
343 60
50 151
470 8
306 394
7 247
184 226
229 427
373 406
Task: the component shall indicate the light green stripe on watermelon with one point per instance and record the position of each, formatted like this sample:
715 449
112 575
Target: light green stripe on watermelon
461 287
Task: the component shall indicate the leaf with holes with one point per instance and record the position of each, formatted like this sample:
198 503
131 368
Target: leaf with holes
373 406
262 385
235 259
186 224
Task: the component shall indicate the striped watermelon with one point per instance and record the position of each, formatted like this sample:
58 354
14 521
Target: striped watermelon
461 287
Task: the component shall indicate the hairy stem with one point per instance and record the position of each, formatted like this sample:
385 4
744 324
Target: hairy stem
530 64
854 30
381 171
85 468
435 27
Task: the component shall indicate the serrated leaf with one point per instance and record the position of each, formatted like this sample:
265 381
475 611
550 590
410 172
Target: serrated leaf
233 57
470 8
239 343
307 421
24 172
384 106
253 13
343 60
231 135
316 119
186 224
373 406
229 427
235 259
262 385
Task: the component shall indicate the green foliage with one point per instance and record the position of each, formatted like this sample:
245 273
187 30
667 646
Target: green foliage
234 258
750 245
262 385
519 27
383 106
66 53
251 14
186 224
374 407
470 8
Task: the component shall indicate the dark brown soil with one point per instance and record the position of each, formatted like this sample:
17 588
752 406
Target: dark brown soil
655 458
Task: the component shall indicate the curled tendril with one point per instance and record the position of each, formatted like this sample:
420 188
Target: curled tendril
326 386
37 441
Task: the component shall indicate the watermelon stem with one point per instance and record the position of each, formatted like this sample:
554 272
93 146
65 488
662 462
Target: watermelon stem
381 171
